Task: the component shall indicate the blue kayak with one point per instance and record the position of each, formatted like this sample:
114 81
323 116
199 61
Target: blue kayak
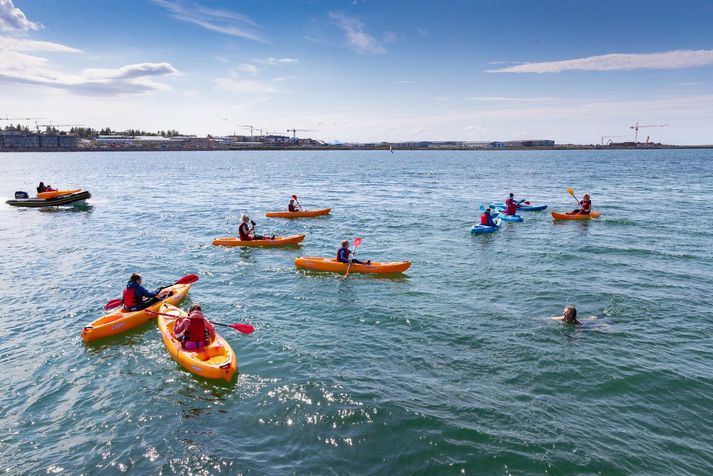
523 208
481 229
503 216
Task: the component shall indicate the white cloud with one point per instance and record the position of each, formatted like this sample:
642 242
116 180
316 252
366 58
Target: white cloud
20 63
248 69
358 39
13 19
219 21
236 84
676 59
280 61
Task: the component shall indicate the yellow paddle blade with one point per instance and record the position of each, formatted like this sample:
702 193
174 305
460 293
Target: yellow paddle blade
570 191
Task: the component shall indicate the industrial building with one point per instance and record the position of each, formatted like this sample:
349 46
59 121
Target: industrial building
12 140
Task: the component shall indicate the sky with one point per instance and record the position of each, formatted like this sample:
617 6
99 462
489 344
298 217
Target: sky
365 70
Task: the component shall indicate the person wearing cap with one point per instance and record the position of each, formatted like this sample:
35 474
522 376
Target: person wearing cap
585 206
194 331
344 252
486 218
510 205
247 233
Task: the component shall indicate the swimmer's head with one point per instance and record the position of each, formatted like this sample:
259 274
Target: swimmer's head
569 313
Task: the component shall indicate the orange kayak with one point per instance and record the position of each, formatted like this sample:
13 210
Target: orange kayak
56 193
278 241
302 214
120 320
327 264
577 216
215 361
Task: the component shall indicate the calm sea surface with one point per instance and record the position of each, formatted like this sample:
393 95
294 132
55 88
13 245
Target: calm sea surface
450 367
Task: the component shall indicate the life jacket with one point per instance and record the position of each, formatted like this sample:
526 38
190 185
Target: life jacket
485 219
291 207
244 231
196 331
129 297
343 255
586 205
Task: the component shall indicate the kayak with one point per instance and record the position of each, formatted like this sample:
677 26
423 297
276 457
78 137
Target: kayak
215 361
482 229
577 216
522 208
71 199
120 320
302 214
327 264
502 216
56 193
278 241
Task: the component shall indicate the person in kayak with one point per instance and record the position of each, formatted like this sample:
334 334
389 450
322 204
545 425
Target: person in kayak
569 316
294 206
585 206
486 218
194 331
136 297
344 252
41 187
247 233
510 205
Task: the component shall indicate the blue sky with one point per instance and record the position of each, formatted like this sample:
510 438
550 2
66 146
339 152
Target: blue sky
364 70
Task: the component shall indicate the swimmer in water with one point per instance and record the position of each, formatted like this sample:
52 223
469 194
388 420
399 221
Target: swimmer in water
569 316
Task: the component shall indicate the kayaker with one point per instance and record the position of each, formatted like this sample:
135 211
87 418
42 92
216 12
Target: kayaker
41 187
294 206
247 233
585 206
569 316
136 297
510 205
344 252
486 218
194 331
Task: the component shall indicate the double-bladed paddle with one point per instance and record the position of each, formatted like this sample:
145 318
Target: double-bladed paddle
187 279
244 328
357 242
298 202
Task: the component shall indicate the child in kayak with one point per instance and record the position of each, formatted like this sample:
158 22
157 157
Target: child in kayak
585 206
247 233
344 252
136 297
569 316
510 205
486 218
194 331
294 206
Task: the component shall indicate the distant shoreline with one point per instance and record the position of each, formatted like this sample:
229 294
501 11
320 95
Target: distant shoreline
352 148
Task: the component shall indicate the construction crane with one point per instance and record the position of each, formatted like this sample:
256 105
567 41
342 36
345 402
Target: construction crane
54 126
636 128
19 118
610 138
247 126
295 131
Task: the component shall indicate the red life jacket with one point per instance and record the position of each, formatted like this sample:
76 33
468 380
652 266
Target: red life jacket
586 205
244 231
129 297
484 219
196 331
510 207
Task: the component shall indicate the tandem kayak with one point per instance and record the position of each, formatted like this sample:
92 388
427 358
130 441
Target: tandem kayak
23 200
214 361
332 265
120 320
56 193
302 214
277 241
522 208
575 216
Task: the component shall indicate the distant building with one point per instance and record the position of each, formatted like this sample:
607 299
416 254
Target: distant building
523 143
10 140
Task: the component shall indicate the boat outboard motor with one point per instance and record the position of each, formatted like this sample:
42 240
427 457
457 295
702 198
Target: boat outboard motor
21 195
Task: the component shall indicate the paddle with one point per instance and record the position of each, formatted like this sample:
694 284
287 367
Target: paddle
244 328
357 242
571 192
298 202
187 279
